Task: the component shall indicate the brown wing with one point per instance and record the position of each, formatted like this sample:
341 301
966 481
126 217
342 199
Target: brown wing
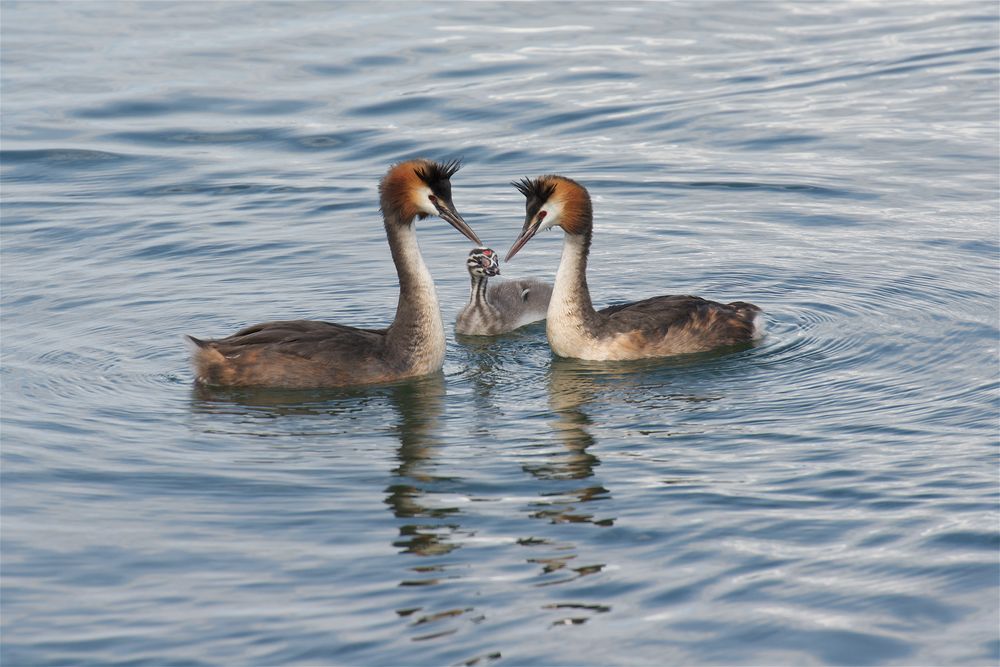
658 312
303 338
295 353
683 321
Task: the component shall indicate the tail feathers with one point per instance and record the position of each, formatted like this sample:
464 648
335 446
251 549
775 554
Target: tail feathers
743 306
202 350
759 325
209 364
756 316
195 343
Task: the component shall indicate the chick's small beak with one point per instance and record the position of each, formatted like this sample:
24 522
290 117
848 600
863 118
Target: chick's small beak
446 210
530 229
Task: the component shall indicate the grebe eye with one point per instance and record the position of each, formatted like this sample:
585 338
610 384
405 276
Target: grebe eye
541 215
433 199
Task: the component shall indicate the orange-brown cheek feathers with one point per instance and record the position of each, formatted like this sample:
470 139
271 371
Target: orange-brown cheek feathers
576 215
400 188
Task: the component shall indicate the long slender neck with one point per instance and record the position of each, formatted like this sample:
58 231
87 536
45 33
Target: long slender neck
416 335
477 297
570 296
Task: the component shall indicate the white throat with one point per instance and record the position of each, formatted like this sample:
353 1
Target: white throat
566 323
565 291
412 262
422 329
565 317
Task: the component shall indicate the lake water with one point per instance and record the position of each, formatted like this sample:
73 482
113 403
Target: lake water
828 496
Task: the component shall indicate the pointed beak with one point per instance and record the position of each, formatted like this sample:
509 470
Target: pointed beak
446 210
530 229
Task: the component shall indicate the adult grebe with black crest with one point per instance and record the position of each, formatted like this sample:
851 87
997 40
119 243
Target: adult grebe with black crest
301 354
655 327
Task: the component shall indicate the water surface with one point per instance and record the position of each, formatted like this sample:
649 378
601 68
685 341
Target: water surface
826 497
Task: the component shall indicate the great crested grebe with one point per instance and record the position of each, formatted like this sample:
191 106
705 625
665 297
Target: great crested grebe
655 327
499 306
302 354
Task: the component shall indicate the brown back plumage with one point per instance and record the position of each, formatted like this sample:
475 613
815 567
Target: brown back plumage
681 324
299 353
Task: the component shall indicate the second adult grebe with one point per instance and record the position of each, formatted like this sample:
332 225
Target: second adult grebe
655 327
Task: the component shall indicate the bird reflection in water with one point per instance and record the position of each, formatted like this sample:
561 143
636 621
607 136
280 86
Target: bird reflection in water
266 405
494 366
419 405
577 391
427 529
571 389
568 492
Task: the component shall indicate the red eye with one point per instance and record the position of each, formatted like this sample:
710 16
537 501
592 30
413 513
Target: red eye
433 199
541 215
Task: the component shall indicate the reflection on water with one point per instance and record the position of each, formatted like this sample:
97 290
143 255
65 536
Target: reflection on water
277 403
419 406
482 363
826 497
569 394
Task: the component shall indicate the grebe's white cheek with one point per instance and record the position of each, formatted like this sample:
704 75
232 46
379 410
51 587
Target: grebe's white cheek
423 201
553 211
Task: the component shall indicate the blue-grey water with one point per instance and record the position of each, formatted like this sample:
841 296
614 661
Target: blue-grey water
826 497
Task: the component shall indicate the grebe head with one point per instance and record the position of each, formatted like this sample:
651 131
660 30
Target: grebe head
552 201
418 188
483 262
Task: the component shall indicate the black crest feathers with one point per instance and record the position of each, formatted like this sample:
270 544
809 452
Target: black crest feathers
539 188
435 172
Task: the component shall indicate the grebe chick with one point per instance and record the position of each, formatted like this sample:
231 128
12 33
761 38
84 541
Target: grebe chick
655 327
499 306
303 354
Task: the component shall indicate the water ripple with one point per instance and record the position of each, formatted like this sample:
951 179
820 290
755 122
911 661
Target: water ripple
826 495
191 104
